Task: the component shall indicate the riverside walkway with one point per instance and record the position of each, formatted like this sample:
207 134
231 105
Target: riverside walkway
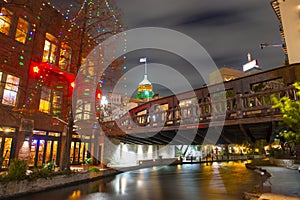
285 182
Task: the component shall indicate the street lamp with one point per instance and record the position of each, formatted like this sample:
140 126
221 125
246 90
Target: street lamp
264 45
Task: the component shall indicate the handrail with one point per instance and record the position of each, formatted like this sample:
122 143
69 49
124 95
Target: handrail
239 106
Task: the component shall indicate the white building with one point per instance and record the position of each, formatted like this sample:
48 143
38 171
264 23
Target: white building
288 13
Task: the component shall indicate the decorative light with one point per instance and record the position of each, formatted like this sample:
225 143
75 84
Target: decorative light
36 69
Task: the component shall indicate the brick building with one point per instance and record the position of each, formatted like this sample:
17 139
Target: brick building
39 58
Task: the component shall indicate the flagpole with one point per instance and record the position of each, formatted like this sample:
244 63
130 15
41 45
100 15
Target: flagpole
145 67
144 60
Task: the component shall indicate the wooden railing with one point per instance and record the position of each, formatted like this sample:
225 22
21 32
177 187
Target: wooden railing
240 106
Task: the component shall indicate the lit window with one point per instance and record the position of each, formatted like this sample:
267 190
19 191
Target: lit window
51 101
83 110
5 20
10 90
50 48
65 57
22 30
54 134
45 100
56 102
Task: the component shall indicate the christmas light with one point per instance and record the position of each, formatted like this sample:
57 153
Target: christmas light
36 69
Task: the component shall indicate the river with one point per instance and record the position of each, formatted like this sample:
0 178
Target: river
227 180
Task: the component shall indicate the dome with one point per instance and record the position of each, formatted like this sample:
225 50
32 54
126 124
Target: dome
145 81
145 90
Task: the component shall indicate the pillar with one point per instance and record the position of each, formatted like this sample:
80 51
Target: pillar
23 142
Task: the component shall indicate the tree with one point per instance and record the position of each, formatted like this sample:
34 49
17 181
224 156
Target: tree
290 110
97 20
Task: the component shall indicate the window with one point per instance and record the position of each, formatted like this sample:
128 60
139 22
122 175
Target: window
50 48
5 21
65 57
22 30
45 100
51 101
83 110
10 90
56 102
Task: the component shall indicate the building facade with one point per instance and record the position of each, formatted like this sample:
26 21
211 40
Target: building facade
40 54
288 13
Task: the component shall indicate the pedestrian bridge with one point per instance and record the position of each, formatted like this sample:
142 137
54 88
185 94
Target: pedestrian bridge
194 116
242 117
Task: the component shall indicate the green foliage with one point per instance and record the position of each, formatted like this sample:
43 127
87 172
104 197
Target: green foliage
50 166
179 153
290 115
88 160
39 173
274 150
93 169
17 170
35 174
45 173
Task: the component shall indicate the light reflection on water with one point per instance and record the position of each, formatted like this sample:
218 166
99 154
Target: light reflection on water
191 181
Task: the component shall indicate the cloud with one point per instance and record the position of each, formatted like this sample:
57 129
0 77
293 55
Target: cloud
228 30
212 18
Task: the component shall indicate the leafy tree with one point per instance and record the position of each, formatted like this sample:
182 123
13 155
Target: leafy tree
290 110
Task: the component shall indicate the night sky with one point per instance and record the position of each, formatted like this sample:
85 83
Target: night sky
228 30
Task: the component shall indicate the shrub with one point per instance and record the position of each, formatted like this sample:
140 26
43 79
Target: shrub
39 173
17 170
50 166
93 169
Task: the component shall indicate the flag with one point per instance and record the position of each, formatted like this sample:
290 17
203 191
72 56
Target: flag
142 59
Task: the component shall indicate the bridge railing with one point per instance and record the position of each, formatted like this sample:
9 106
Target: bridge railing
260 103
240 106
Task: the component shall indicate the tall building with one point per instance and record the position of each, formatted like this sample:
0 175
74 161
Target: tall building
288 13
145 89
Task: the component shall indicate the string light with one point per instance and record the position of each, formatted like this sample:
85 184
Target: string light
69 23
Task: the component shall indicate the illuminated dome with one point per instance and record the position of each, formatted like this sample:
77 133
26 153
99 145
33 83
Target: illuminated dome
145 90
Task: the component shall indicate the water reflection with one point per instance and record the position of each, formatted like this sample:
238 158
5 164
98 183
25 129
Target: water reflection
195 181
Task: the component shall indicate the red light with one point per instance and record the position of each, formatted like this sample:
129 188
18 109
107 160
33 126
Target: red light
72 84
98 95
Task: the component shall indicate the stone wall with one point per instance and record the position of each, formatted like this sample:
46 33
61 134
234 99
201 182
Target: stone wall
282 162
17 188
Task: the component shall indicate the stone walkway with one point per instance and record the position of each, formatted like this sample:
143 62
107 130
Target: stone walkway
285 184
